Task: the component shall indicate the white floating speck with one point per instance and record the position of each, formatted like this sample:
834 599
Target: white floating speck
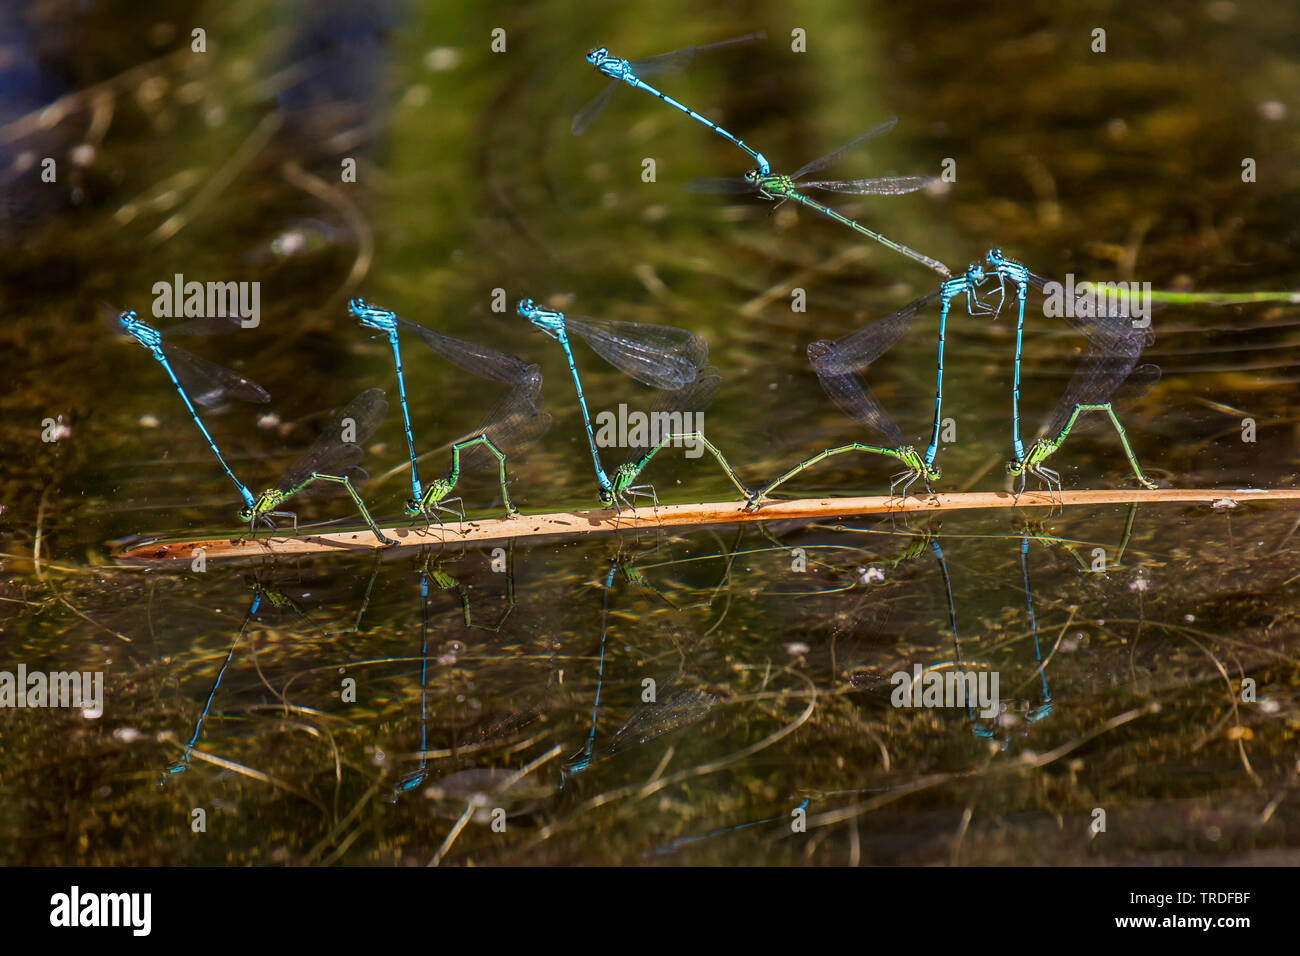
442 58
870 575
1272 110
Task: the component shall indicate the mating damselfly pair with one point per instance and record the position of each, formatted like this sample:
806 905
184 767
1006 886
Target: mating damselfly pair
1114 341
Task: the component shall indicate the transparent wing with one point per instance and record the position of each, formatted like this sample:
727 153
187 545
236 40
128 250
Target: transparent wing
676 709
587 115
332 453
886 186
660 356
856 400
1113 351
1089 325
515 421
834 156
858 349
668 414
1137 384
209 384
481 360
1037 281
665 63
678 60
1140 381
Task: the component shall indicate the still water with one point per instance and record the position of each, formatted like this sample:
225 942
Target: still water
702 695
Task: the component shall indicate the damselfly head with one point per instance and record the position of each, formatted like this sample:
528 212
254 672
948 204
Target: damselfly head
606 496
596 54
526 306
357 307
127 317
412 507
753 176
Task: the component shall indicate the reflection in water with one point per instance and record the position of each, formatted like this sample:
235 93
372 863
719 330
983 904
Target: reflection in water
998 726
261 592
432 570
183 763
680 842
731 701
581 760
1043 708
413 778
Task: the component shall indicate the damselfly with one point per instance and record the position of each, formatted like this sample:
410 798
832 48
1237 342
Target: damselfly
513 422
660 356
332 457
1110 361
777 186
633 73
672 407
855 399
480 360
210 384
